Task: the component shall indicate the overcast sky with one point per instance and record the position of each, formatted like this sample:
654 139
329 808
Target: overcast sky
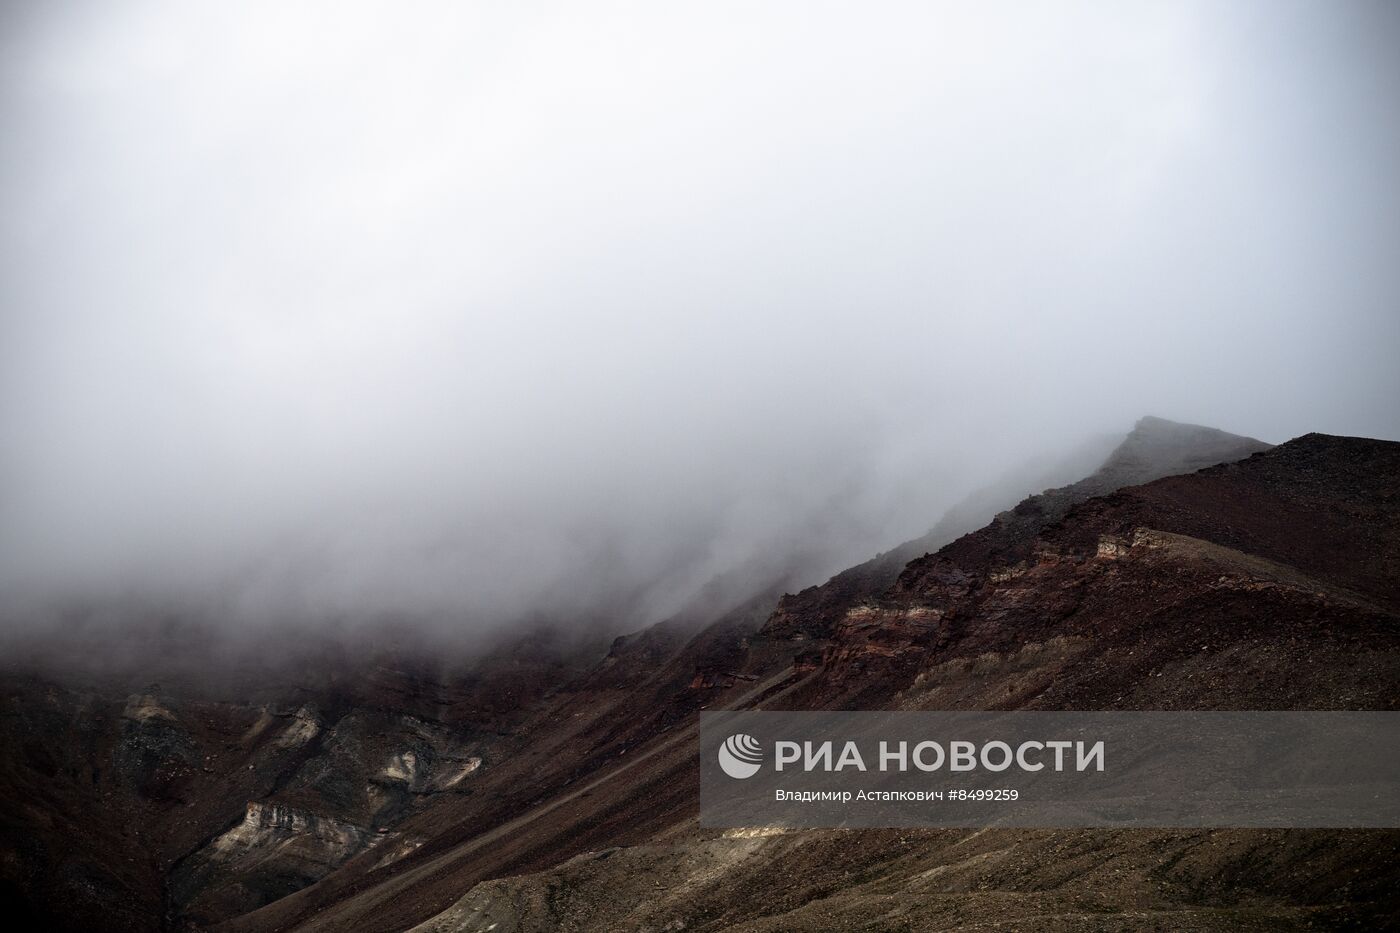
471 309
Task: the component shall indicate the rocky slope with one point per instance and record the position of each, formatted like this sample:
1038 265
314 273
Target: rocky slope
559 794
160 807
1154 448
1190 592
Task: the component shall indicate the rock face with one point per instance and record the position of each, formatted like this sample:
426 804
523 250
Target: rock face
269 825
279 848
567 800
274 851
151 811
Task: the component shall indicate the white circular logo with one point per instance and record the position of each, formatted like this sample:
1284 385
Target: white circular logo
740 756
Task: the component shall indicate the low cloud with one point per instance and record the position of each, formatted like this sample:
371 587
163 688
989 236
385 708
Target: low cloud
475 314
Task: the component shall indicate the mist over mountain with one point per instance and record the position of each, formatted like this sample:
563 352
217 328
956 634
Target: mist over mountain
471 315
414 418
548 781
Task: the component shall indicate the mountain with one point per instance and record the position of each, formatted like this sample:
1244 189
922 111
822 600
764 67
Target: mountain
540 787
1154 448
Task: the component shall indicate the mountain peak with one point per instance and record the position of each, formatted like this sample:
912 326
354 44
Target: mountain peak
1158 447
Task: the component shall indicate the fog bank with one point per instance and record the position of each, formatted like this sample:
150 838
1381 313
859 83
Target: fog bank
472 313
